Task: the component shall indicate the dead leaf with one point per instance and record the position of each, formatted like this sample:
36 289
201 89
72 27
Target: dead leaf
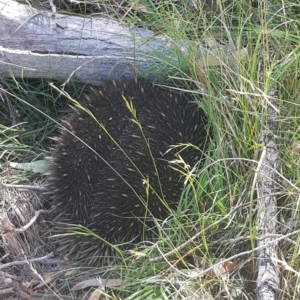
98 282
49 278
38 166
229 266
296 148
142 8
221 269
96 295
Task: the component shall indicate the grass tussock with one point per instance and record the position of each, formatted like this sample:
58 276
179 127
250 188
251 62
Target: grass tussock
206 249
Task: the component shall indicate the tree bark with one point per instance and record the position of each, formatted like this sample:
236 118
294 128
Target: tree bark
35 44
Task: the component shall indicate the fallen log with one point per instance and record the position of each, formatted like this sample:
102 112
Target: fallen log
34 44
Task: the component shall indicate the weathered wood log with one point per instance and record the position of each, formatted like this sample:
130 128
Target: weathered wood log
268 280
36 44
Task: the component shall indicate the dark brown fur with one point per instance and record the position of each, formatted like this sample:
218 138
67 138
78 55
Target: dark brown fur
104 189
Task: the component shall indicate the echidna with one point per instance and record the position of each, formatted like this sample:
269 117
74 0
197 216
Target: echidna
111 170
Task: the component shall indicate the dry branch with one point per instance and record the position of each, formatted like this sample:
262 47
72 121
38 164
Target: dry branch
25 227
26 261
34 44
268 280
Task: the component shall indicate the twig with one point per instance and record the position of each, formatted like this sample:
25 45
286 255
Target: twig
182 246
25 187
23 262
234 257
6 292
25 227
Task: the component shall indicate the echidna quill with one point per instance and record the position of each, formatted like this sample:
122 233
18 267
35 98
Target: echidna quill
111 170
